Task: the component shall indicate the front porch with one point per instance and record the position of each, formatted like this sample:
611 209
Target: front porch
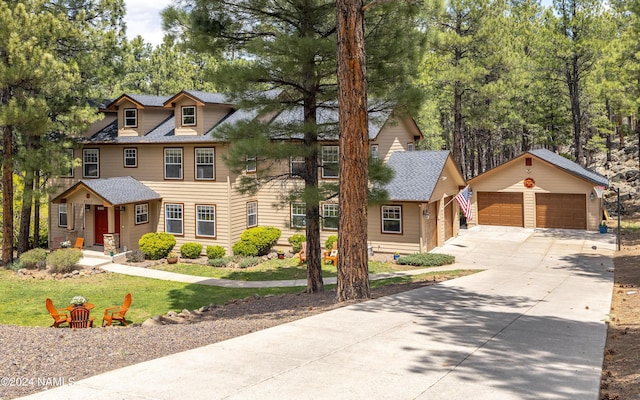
109 214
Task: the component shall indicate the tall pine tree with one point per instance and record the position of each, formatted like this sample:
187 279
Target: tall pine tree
290 48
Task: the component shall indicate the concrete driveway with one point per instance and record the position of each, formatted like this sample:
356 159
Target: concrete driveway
531 326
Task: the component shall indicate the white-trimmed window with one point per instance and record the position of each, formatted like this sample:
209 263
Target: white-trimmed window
130 118
142 213
410 146
296 166
205 160
391 219
173 163
173 219
298 215
130 157
330 157
374 151
251 164
63 216
330 216
206 221
90 163
252 214
69 173
188 116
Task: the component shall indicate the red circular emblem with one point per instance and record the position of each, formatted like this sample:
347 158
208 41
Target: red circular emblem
529 183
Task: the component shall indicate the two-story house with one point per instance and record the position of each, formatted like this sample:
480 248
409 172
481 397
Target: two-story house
153 164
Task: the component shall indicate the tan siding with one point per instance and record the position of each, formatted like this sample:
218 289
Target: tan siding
148 118
105 120
213 114
122 131
529 206
393 136
405 243
206 117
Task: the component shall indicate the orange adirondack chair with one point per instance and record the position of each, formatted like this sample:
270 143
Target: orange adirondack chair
331 255
80 318
303 253
59 318
117 313
79 243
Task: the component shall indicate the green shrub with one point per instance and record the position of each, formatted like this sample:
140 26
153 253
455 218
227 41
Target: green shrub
64 260
426 259
191 250
249 262
135 256
330 241
15 265
296 242
214 252
244 248
156 245
219 262
36 258
263 238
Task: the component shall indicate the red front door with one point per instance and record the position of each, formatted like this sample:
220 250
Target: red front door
101 224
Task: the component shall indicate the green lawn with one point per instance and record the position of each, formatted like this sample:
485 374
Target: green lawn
272 270
23 299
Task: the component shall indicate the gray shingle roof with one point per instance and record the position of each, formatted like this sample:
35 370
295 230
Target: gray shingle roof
208 97
149 100
570 166
416 174
329 118
120 190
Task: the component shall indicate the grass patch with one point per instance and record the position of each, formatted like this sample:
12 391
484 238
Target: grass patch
23 299
272 270
630 226
428 276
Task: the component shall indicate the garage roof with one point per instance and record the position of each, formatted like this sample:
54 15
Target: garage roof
416 174
570 166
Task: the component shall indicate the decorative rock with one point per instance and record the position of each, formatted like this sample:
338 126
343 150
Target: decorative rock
256 296
204 309
151 322
172 314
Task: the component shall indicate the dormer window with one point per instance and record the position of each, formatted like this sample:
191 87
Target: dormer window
188 116
130 118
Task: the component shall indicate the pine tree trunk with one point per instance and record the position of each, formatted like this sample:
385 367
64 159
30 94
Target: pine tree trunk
25 213
314 261
353 269
7 195
36 211
573 84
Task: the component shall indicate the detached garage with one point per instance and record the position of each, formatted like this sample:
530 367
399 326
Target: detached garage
538 189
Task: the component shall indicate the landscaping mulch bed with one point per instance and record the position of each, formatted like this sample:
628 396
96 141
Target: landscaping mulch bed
621 368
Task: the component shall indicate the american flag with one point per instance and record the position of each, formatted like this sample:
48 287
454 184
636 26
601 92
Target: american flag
463 198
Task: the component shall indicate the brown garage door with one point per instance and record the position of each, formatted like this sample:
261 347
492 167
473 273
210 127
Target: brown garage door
500 209
557 210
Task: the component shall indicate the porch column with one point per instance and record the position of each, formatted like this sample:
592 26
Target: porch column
111 219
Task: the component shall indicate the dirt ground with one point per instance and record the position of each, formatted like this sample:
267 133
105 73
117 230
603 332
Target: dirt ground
621 368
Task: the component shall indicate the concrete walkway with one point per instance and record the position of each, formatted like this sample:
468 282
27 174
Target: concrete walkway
529 327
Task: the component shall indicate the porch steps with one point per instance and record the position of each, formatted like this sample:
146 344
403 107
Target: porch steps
92 258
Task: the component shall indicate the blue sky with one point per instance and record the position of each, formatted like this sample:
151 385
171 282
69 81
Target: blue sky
143 18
